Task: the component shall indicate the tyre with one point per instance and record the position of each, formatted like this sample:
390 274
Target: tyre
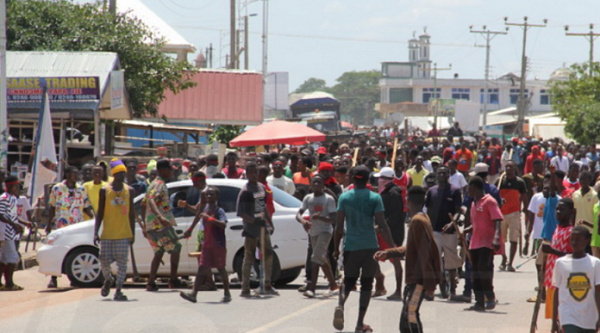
288 276
445 285
238 261
82 266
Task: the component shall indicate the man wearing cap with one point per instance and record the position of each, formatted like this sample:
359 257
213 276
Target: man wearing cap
356 210
277 179
393 203
162 152
381 159
116 214
431 178
160 223
326 172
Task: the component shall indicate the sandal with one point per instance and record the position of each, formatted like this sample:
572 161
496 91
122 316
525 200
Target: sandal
394 297
226 299
120 297
188 297
364 329
502 267
378 293
338 318
151 286
14 287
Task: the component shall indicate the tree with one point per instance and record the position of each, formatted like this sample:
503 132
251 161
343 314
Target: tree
577 102
358 92
224 134
311 85
61 25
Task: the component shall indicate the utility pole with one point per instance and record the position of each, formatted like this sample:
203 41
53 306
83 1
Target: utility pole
265 35
488 35
3 89
232 33
112 7
435 93
590 36
522 103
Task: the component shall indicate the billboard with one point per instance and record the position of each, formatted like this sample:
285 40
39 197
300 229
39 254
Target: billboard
64 89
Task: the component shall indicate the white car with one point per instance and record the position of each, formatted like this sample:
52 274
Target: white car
71 250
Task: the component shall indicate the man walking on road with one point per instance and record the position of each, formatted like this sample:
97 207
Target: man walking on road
115 210
358 208
159 225
10 228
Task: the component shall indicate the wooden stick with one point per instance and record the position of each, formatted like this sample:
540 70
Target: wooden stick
355 158
460 234
394 154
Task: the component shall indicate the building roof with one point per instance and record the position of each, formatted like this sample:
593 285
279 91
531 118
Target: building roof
219 97
65 64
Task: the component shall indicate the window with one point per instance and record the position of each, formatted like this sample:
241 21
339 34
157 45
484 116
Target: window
544 97
428 94
228 198
493 97
461 93
284 199
514 95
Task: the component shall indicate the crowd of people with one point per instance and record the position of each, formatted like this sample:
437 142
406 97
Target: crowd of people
446 206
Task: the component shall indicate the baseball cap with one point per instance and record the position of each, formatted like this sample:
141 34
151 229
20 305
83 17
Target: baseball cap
386 172
322 150
436 159
479 168
361 172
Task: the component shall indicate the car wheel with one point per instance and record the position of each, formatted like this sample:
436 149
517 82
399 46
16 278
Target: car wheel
238 261
288 276
83 268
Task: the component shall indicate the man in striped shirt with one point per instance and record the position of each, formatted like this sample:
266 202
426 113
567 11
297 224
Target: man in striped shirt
9 231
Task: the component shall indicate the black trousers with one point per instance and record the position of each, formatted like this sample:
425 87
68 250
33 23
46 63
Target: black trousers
483 274
410 319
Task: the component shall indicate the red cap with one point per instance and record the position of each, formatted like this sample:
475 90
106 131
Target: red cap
323 166
322 150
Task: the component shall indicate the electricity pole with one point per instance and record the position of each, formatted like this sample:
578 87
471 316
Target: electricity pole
522 103
232 35
488 35
590 36
3 89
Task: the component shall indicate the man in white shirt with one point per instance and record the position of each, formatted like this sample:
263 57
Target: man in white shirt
560 161
456 178
277 179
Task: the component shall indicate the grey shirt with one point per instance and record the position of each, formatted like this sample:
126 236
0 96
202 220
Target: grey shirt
324 205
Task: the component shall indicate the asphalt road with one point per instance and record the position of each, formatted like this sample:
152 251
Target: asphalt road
83 310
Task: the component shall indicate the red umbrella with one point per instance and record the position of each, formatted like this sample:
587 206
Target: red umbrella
276 132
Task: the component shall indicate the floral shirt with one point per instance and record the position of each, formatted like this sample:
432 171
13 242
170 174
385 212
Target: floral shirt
158 192
68 204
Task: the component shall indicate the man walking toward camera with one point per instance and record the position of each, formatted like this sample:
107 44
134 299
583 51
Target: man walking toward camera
115 204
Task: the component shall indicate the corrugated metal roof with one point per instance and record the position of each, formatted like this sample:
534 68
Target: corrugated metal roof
219 97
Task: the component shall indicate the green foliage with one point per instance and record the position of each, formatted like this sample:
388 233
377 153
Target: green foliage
311 85
224 134
60 25
577 102
358 92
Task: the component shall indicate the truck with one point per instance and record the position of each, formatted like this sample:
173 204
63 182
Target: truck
321 111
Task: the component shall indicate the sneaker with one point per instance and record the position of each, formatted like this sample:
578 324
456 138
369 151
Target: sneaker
188 297
490 305
461 299
106 287
338 318
510 268
309 294
331 293
53 283
502 266
272 291
303 288
151 286
120 297
476 307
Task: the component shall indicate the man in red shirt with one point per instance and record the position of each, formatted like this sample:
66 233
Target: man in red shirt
231 170
464 157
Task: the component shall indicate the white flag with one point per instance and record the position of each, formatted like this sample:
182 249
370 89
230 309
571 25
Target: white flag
43 167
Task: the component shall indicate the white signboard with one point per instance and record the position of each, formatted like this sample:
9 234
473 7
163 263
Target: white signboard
117 89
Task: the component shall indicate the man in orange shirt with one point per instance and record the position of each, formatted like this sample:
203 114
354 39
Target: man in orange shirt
464 157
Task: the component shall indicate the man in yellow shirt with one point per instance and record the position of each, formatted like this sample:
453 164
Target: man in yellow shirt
584 200
417 173
92 188
115 210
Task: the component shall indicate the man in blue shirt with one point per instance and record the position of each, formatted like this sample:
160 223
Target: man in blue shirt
359 208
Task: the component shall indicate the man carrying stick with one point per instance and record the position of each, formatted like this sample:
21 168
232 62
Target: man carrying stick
485 226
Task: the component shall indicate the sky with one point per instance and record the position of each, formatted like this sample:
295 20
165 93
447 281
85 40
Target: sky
325 38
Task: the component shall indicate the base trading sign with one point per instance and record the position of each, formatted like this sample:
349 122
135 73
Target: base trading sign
67 89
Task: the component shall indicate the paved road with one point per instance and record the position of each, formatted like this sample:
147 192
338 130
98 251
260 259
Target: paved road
83 310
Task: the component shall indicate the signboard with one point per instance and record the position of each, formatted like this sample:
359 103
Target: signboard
117 87
494 131
68 89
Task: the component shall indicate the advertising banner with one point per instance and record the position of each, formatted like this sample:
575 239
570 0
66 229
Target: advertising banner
64 89
117 89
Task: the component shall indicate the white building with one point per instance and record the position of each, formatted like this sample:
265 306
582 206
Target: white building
414 82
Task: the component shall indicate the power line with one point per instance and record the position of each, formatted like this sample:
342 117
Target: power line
590 36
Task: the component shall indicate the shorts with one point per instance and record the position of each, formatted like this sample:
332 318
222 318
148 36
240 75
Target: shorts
320 244
9 253
397 231
448 245
511 227
360 263
213 257
164 240
541 257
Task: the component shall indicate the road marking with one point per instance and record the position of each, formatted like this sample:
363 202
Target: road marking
299 312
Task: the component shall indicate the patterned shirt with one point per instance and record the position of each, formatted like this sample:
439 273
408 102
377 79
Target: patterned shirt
561 241
158 192
68 204
8 209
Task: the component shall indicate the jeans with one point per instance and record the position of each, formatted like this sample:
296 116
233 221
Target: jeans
250 245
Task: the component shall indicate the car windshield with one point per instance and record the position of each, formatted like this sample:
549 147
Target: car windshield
284 199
